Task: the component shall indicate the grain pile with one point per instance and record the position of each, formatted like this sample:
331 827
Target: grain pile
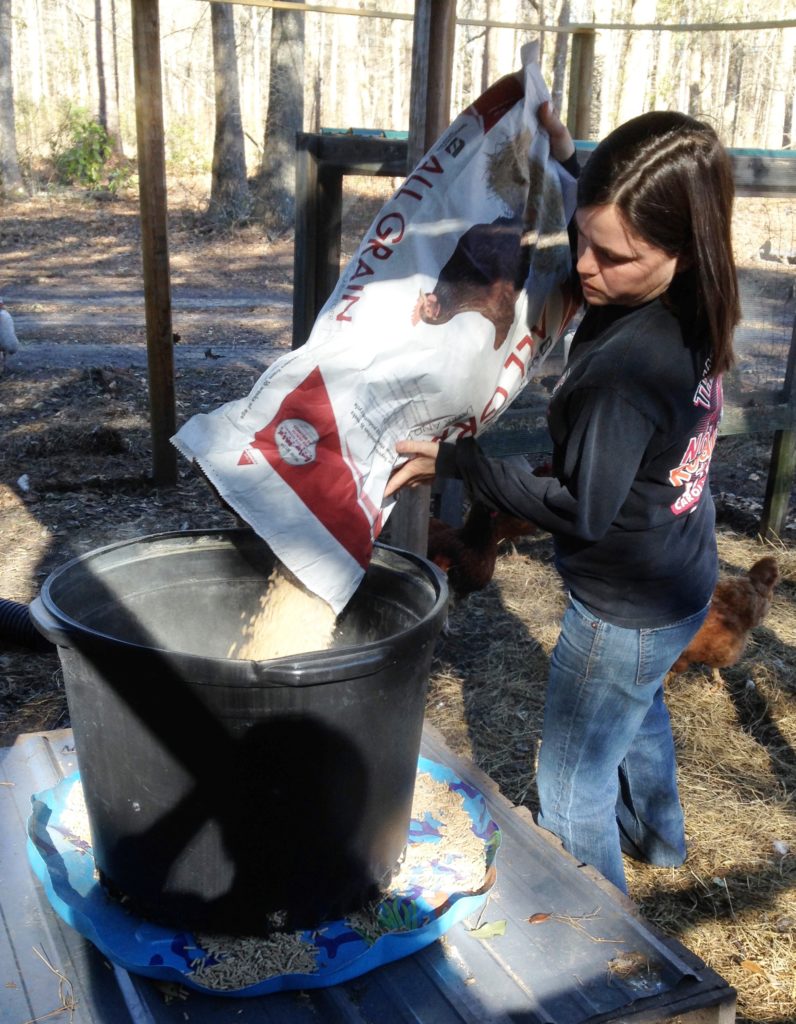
290 620
236 961
232 962
459 847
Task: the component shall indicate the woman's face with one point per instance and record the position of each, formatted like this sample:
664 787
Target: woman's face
615 265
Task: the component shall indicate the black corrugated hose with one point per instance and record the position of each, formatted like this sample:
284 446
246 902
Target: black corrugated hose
16 627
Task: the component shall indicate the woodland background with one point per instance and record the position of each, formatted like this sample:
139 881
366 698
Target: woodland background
272 71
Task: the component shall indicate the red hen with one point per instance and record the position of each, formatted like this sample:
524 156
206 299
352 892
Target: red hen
737 606
468 553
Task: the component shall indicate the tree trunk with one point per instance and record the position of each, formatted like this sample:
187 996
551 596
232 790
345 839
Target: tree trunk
114 117
498 58
490 45
276 182
10 177
636 63
602 87
560 54
107 82
732 92
36 55
777 91
790 106
229 190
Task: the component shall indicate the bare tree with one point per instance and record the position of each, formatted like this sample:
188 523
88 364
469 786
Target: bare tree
560 54
10 177
229 190
107 71
498 55
276 185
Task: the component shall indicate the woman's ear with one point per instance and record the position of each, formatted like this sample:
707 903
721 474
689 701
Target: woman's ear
684 262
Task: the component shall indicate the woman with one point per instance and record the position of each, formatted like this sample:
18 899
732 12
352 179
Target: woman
633 421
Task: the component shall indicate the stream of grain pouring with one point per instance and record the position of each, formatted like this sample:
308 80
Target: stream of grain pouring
290 620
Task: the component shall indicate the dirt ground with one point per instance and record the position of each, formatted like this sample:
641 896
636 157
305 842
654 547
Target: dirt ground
75 465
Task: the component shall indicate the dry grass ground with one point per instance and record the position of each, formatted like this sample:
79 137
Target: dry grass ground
734 901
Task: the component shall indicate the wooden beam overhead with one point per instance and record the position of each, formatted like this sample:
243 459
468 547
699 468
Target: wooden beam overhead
529 26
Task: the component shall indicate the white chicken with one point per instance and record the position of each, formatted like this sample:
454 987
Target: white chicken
9 343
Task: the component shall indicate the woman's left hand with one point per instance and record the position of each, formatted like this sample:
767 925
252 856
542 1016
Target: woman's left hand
419 469
561 145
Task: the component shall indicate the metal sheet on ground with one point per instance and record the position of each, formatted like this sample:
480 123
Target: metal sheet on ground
556 972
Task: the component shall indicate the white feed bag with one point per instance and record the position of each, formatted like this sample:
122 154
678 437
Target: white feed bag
456 294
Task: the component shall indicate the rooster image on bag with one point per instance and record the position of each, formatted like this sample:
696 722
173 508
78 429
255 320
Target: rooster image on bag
485 274
488 269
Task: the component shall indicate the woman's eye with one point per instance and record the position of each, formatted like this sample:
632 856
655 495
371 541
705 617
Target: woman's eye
608 257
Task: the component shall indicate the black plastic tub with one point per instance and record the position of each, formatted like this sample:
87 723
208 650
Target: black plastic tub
228 794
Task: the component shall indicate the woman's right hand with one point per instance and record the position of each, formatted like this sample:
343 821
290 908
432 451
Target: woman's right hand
420 467
561 145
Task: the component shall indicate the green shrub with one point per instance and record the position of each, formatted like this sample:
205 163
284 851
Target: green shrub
80 148
120 178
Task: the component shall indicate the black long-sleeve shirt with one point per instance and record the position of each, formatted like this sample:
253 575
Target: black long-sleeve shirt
633 421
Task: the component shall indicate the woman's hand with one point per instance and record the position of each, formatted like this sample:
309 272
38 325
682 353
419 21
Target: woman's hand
419 469
561 145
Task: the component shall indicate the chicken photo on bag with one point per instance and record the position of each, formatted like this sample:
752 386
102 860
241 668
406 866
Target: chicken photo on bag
489 268
485 274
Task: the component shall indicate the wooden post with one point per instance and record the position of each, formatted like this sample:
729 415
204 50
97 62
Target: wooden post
321 163
304 245
581 76
329 236
432 71
782 465
154 238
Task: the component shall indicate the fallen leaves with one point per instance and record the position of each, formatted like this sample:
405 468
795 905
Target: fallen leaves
490 930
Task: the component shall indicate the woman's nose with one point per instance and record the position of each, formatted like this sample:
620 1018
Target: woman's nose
586 262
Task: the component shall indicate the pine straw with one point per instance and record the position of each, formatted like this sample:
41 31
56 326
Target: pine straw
44 706
734 901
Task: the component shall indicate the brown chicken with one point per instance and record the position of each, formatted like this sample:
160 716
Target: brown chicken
468 553
738 605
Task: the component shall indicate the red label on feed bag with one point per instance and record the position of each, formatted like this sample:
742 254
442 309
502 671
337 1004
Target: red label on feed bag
497 100
303 445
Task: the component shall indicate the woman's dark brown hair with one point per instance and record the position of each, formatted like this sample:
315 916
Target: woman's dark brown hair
671 180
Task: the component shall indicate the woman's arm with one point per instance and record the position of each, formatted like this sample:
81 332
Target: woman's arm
606 442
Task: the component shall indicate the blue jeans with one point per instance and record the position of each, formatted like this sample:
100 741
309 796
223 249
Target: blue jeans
607 778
